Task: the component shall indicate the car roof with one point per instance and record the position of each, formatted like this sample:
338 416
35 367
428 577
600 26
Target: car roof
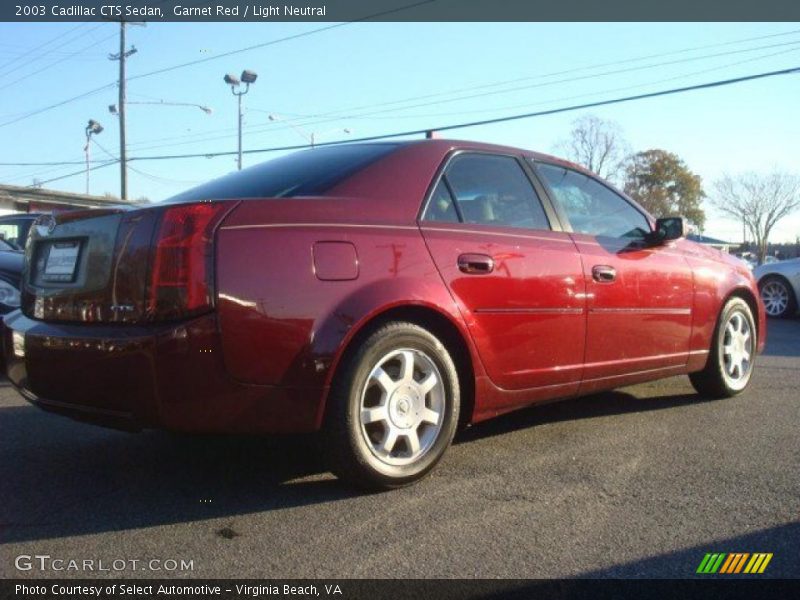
447 145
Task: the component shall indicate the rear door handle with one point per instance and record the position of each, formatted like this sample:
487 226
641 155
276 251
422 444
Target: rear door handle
475 264
604 273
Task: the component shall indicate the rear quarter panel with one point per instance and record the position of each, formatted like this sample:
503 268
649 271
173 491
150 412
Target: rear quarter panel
282 325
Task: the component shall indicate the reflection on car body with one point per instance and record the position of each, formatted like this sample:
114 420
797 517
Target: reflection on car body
381 294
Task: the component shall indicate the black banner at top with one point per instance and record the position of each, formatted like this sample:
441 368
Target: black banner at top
399 10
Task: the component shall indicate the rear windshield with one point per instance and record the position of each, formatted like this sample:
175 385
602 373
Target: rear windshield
306 173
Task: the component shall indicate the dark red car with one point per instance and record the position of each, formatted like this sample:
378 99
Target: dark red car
381 293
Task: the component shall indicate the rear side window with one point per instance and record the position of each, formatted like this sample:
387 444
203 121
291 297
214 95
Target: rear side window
441 207
305 173
591 207
487 190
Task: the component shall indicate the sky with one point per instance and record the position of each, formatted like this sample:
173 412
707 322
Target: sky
374 78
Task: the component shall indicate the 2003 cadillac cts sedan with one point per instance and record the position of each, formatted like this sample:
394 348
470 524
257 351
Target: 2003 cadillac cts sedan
379 293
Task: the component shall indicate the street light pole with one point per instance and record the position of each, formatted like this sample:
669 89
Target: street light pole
240 131
247 78
92 127
86 151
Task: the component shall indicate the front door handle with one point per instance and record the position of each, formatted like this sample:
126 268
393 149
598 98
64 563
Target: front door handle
475 264
604 273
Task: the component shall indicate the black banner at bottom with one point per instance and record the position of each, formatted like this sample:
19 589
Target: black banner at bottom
371 589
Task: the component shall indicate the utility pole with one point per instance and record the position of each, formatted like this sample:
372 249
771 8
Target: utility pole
123 150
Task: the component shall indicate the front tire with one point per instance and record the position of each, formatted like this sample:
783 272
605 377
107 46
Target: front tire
778 297
393 408
733 352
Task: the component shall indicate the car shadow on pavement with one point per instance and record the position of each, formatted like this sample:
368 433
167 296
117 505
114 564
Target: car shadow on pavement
586 407
63 478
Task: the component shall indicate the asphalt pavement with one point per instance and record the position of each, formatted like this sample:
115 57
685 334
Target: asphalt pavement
639 482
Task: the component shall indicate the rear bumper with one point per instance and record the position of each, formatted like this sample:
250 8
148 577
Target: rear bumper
168 376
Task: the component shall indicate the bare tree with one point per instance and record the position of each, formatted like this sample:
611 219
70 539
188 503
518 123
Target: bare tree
758 201
598 145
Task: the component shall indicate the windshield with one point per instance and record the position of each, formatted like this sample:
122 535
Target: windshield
306 173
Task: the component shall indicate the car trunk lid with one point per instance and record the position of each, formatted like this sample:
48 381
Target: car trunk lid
89 266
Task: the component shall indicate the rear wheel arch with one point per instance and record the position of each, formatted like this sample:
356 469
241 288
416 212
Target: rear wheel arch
441 326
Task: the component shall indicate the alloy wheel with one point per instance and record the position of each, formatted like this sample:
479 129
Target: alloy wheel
402 406
775 295
738 346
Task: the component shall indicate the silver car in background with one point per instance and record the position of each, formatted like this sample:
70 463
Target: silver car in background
779 283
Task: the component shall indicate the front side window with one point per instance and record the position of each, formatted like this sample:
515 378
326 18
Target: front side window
487 190
591 207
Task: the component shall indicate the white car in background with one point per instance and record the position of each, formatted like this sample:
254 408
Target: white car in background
752 260
779 283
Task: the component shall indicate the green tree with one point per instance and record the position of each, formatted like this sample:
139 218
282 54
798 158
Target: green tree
662 183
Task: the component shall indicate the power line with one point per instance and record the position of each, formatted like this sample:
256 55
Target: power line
46 54
573 97
35 48
77 162
573 79
673 91
215 57
81 172
60 60
334 117
680 90
578 69
57 104
279 40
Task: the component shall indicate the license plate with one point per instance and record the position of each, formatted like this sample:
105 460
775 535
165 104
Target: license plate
61 261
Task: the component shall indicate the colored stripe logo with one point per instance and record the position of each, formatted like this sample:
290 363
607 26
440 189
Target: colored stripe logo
733 563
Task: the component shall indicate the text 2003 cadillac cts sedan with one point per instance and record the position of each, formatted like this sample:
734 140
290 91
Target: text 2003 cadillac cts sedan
380 293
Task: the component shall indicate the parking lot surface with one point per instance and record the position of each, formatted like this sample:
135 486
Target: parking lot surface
639 482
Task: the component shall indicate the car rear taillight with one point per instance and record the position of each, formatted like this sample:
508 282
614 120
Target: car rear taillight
182 269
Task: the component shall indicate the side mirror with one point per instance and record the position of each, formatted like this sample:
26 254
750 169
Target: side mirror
669 228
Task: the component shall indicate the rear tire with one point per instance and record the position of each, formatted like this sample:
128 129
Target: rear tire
733 352
778 297
393 408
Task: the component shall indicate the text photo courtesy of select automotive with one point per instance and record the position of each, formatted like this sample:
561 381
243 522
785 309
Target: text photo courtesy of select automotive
351 312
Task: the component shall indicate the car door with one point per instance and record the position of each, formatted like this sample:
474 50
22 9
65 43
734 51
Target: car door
639 296
516 279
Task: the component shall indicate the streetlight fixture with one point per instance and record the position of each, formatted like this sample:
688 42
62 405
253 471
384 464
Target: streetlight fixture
112 108
310 136
92 128
247 78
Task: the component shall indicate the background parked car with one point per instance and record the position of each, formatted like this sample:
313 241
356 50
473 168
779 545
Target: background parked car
779 284
14 228
11 262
